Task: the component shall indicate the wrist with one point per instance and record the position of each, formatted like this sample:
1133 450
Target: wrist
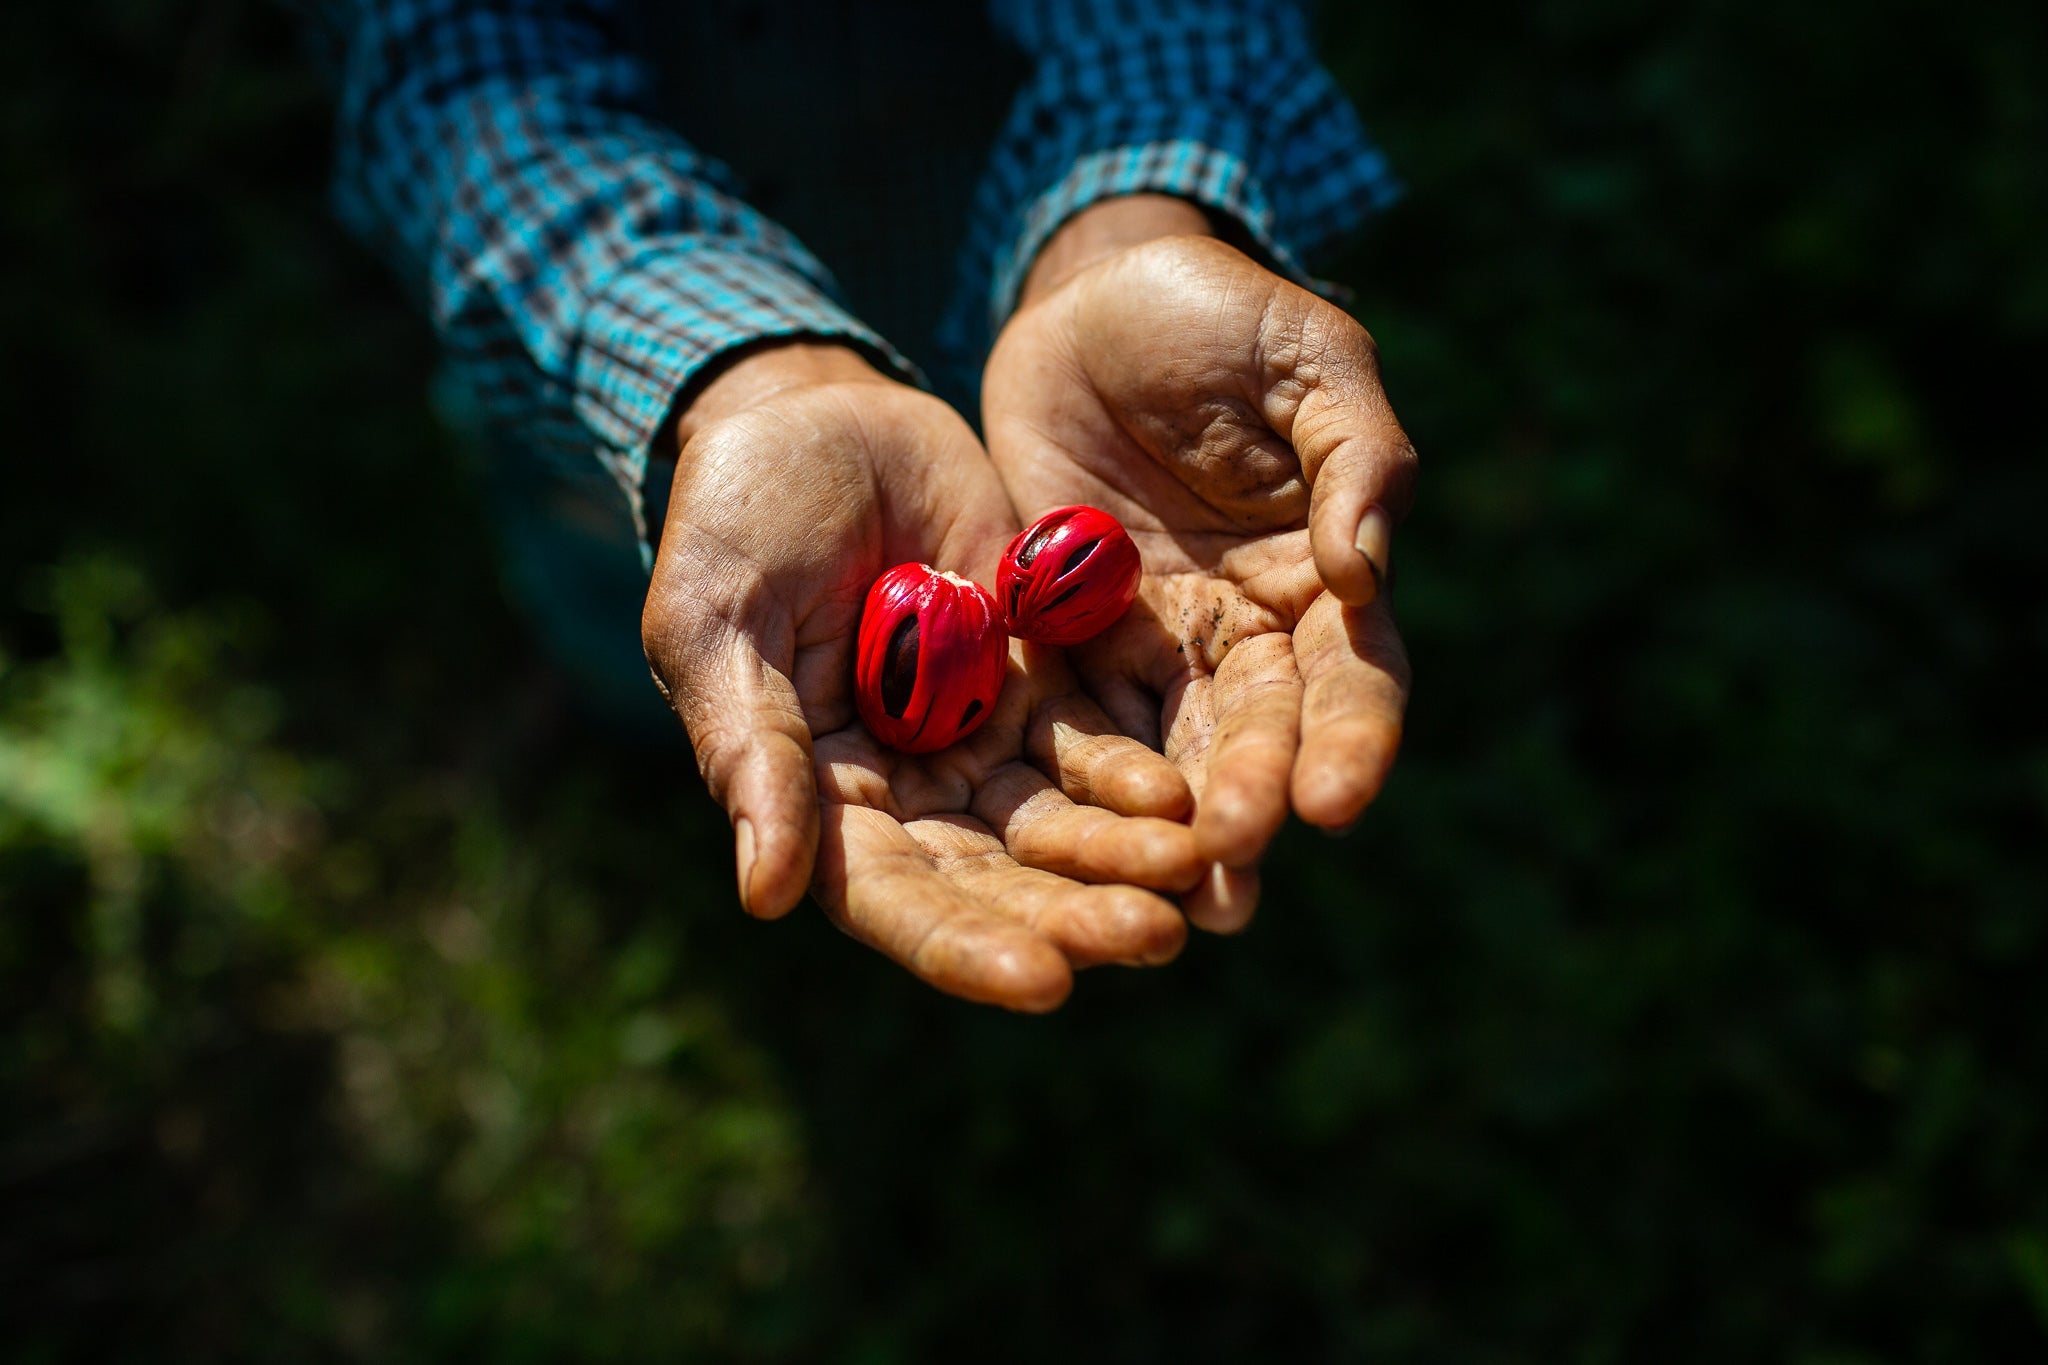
752 375
1105 228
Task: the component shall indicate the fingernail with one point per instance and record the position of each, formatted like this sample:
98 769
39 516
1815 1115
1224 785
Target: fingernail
743 847
1375 536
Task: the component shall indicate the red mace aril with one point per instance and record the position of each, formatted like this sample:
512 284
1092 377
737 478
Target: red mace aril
932 657
1069 576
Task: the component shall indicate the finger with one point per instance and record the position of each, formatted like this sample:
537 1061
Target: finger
1042 829
1091 925
750 737
879 885
1223 901
1257 702
1355 692
1324 395
1097 764
1192 731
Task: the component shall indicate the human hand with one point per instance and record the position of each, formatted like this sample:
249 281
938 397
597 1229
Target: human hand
803 475
1236 425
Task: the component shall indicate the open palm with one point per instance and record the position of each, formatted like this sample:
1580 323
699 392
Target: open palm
1236 425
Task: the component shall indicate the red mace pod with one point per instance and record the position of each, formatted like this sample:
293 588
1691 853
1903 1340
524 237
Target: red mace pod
932 657
1068 576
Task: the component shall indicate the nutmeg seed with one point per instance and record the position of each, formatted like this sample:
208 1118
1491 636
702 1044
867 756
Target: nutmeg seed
931 658
1068 576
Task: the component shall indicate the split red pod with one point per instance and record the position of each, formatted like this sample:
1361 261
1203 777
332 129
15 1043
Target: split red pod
931 658
1068 576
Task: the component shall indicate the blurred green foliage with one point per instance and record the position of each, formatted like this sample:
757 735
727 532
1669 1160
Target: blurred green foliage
359 1001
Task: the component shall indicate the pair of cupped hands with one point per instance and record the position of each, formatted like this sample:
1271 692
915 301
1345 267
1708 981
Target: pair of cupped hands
1235 424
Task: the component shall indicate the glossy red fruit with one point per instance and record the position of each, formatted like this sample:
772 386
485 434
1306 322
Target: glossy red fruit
1068 576
932 657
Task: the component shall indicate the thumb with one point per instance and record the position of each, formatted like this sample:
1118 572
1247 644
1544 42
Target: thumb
752 744
1324 397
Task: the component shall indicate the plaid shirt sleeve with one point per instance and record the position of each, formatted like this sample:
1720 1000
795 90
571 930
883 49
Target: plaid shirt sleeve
580 261
1221 102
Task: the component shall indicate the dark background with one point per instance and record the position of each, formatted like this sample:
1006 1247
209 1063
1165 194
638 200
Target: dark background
1681 1000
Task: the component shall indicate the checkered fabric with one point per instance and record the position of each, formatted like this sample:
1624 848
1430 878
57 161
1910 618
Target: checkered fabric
1217 101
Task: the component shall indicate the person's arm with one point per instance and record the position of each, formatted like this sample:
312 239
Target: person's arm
1218 103
580 261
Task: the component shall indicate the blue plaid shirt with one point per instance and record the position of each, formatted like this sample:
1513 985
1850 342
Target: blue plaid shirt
581 261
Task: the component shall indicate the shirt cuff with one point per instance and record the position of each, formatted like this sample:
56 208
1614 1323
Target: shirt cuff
666 317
